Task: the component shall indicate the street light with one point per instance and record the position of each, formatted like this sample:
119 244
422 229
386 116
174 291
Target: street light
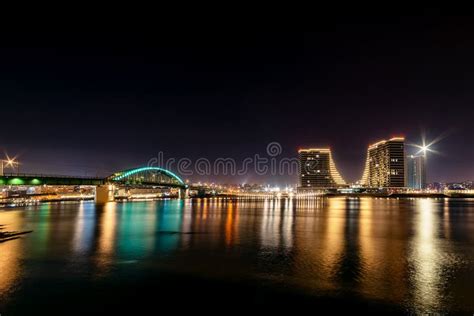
9 162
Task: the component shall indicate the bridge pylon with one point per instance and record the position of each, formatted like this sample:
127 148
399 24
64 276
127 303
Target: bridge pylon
183 193
104 193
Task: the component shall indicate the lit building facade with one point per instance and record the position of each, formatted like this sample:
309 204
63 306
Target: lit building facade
385 164
416 172
318 170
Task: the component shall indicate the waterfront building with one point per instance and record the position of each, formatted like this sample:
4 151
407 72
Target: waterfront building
318 170
416 172
385 164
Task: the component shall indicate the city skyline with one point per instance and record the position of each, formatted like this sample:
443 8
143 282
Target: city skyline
284 174
413 174
99 102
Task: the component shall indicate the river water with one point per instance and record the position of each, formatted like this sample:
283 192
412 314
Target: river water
367 254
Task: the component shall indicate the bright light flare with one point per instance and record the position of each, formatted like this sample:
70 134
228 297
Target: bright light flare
426 147
10 162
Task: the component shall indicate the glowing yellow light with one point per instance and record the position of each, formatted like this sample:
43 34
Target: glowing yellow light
10 162
314 149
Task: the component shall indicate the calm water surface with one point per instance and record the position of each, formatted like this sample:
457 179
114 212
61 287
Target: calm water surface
401 256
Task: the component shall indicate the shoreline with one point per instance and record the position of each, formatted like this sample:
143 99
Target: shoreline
12 204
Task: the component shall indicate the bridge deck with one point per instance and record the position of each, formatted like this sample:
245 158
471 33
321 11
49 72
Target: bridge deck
42 179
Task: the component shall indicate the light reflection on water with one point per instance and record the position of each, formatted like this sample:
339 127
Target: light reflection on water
414 253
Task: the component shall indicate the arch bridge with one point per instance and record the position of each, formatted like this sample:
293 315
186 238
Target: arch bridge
136 177
147 176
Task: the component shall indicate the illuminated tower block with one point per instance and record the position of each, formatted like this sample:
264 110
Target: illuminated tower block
385 164
318 170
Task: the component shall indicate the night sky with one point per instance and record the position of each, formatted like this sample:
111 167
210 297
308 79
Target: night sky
95 103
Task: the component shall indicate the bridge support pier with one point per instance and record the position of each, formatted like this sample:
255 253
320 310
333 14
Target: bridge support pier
183 193
104 193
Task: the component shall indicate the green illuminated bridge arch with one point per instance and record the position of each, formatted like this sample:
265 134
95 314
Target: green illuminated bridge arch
142 176
147 176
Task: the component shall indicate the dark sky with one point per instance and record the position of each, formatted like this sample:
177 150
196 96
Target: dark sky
87 103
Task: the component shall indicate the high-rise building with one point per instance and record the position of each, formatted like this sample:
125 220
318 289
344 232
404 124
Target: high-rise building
416 172
318 170
385 164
